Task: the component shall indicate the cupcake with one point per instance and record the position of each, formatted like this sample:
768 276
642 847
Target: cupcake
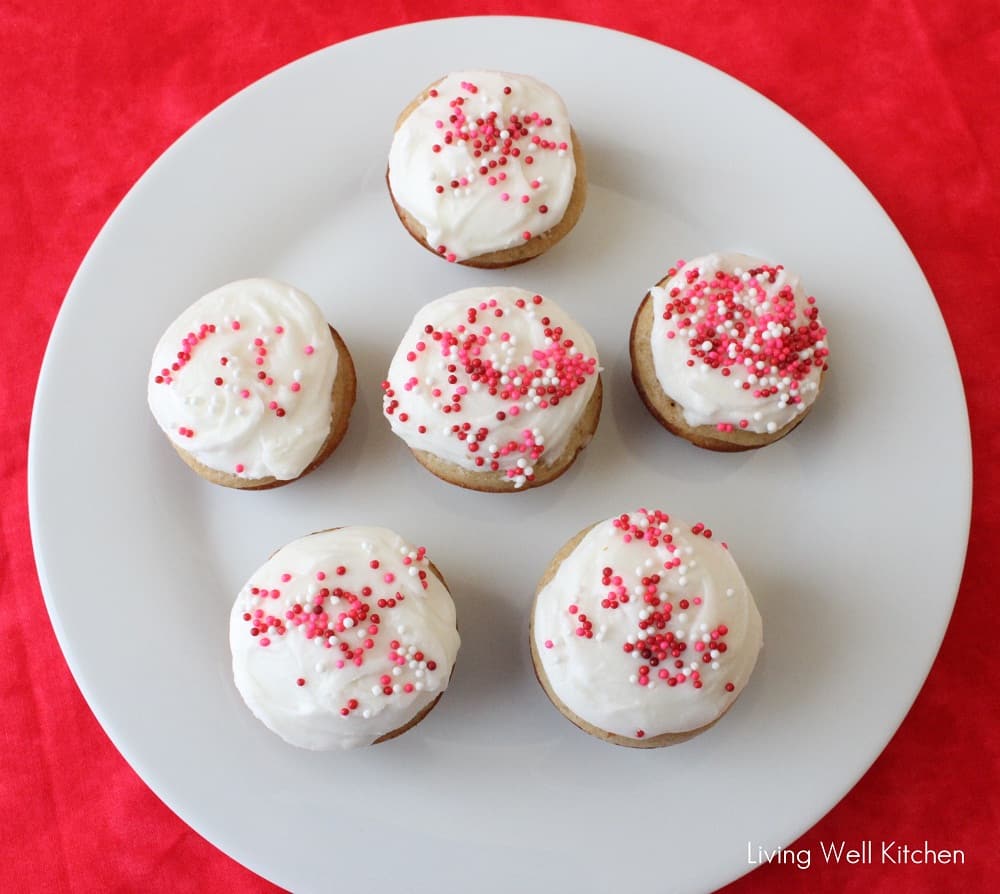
343 638
494 389
251 385
728 352
484 169
643 631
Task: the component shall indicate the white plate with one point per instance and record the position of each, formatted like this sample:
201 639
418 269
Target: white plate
851 531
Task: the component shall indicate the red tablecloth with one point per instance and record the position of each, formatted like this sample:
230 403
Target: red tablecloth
907 93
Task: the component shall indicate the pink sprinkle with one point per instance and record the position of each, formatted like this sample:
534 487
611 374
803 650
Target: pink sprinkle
389 578
504 197
285 578
240 468
309 349
236 324
320 575
265 641
525 200
279 329
295 386
548 644
244 393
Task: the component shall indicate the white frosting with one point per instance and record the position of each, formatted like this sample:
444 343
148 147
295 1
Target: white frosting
596 678
410 649
710 396
505 354
473 217
205 379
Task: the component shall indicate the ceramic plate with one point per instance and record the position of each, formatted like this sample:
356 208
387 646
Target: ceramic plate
851 528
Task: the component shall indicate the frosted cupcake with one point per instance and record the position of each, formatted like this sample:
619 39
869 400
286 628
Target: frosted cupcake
728 351
494 389
343 638
252 386
643 631
485 169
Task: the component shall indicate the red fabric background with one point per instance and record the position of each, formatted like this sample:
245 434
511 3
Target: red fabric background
907 92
